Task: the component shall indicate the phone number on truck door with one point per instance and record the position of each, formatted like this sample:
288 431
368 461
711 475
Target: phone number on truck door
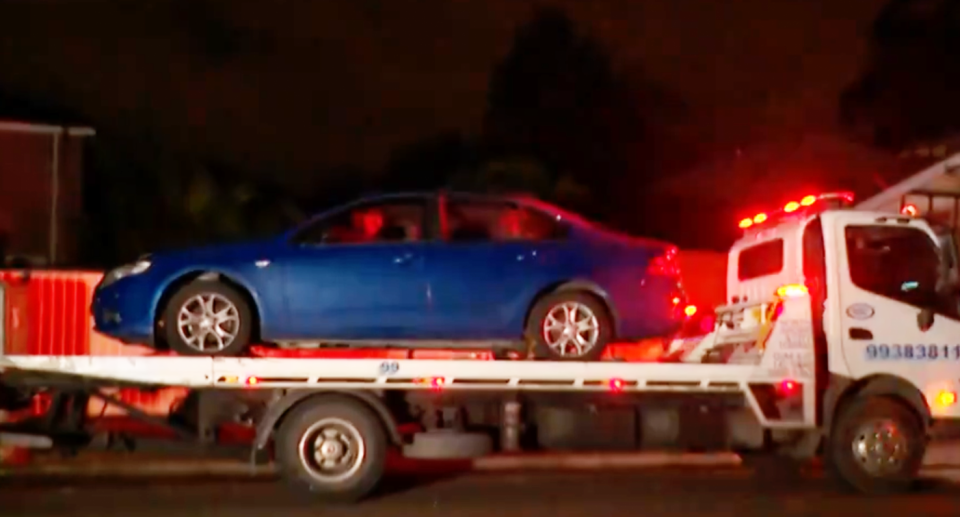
913 352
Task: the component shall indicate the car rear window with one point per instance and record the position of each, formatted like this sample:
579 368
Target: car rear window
760 260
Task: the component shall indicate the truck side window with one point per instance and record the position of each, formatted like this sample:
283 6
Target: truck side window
762 259
896 262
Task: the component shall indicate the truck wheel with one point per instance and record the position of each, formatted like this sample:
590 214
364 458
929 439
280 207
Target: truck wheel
876 446
334 447
207 318
569 326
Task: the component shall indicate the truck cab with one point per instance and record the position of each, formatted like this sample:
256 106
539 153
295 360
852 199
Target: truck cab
883 297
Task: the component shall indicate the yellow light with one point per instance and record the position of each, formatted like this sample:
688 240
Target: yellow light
947 398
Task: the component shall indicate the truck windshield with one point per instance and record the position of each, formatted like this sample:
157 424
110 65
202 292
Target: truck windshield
897 262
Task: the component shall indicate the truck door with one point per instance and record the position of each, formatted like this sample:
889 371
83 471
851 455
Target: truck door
887 271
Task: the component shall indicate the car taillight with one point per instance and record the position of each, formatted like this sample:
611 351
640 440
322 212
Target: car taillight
666 264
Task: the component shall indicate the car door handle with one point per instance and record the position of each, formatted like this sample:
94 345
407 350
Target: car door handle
859 333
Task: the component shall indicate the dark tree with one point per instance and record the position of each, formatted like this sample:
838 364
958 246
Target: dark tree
908 91
557 97
429 163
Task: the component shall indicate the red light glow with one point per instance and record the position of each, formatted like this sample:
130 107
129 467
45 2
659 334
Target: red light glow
435 383
616 385
251 381
794 206
690 310
788 387
910 210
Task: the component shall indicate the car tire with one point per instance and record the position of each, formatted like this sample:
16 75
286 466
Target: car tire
548 309
229 305
347 423
852 468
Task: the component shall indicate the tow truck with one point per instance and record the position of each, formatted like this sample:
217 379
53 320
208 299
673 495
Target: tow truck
835 341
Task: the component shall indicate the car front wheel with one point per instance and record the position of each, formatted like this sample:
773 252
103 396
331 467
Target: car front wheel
207 318
569 326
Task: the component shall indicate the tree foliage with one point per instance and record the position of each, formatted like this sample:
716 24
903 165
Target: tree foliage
557 98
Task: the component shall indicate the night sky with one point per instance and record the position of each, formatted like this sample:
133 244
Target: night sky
302 86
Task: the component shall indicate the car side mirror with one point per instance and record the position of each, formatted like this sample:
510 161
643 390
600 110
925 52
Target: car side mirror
925 319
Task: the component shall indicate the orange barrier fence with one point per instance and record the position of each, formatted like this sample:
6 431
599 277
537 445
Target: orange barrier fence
48 313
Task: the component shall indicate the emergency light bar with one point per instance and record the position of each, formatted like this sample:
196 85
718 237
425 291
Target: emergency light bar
806 206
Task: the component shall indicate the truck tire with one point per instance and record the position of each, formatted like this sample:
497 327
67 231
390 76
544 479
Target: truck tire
207 318
876 446
333 447
549 327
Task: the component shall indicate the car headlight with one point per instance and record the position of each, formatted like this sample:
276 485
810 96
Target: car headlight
138 267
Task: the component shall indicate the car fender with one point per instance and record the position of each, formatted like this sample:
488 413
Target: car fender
211 273
594 289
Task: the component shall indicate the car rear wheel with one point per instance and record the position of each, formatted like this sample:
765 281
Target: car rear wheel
569 326
207 318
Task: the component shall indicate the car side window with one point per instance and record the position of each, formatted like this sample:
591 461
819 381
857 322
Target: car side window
480 220
895 262
396 220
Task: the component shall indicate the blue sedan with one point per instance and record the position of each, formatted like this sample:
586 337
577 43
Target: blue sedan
413 270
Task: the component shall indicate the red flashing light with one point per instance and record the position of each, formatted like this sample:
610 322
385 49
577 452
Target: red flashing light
435 383
251 381
690 310
792 290
676 300
616 385
794 206
788 388
910 210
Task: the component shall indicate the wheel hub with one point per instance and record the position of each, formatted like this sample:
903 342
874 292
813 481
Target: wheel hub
330 450
571 329
880 447
208 321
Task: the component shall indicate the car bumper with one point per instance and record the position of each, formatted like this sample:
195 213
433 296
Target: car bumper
123 312
656 311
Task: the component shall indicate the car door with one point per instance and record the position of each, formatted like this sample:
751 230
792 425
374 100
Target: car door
892 276
343 284
481 281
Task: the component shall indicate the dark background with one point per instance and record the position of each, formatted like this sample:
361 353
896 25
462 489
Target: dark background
227 119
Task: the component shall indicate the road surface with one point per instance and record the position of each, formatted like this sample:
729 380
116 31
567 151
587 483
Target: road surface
651 493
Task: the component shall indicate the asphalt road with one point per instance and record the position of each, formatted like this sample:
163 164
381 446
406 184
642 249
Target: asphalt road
650 493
